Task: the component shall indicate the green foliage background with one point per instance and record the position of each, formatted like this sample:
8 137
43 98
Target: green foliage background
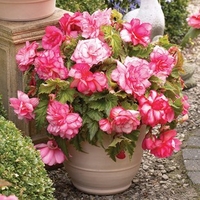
175 18
81 5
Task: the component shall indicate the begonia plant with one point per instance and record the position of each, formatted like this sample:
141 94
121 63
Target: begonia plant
97 75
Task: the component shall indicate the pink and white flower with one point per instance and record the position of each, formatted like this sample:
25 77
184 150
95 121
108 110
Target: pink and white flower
155 109
120 121
71 24
91 25
86 81
50 153
194 20
49 65
136 32
26 56
133 75
91 51
164 145
161 62
24 106
62 122
53 37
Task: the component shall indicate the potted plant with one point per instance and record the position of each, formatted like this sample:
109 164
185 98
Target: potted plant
99 82
26 10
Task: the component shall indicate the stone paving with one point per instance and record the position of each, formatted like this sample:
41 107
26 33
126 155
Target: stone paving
191 156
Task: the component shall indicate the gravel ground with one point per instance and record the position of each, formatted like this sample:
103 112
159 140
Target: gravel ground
157 178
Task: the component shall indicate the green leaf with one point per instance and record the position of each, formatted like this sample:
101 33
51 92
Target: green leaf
191 34
114 39
131 144
63 145
66 95
177 106
40 112
104 102
94 114
92 129
125 142
140 51
76 142
114 148
51 85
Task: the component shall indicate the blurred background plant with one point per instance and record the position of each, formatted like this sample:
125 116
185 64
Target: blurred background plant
81 5
175 12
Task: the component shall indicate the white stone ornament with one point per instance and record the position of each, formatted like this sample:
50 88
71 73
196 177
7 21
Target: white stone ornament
150 11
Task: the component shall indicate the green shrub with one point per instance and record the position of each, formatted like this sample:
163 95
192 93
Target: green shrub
81 5
175 18
21 166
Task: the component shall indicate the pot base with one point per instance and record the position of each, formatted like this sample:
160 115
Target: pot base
96 173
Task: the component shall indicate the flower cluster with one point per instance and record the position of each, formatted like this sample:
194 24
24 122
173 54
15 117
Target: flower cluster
97 75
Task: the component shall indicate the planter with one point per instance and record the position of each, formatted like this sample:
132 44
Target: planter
26 10
96 173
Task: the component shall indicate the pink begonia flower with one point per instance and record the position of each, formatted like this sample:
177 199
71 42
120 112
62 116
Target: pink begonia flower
53 37
186 105
136 32
105 125
155 109
133 75
90 24
71 24
50 65
104 15
24 106
91 51
120 121
161 62
50 153
11 197
26 56
194 20
62 122
86 81
163 146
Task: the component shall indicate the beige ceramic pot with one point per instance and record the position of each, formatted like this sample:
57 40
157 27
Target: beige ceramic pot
96 173
26 10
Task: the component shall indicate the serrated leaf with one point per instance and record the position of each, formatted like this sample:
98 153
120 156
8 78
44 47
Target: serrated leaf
63 145
52 84
66 95
92 129
140 51
114 39
114 148
177 106
40 112
116 141
94 114
107 102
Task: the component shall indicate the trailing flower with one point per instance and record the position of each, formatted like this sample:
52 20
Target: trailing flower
97 75
194 31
